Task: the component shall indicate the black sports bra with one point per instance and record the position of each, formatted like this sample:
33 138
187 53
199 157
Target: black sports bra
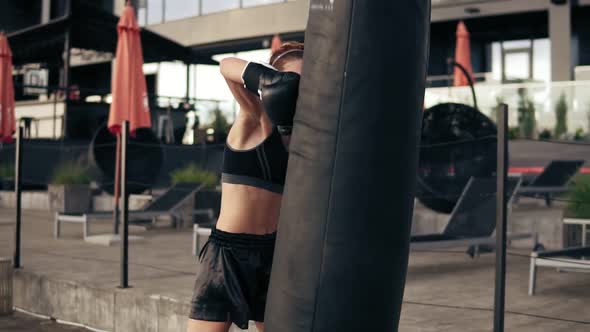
263 166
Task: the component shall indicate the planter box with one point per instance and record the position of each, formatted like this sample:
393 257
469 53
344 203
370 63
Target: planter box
6 300
70 199
7 184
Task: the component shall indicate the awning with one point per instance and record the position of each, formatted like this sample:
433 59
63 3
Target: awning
91 28
246 44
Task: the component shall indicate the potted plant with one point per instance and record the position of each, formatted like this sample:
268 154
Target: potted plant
6 177
545 134
561 117
513 133
580 135
209 195
577 211
192 173
69 189
526 114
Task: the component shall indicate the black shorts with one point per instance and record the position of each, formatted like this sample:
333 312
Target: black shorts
233 278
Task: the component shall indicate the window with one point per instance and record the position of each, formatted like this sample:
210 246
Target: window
154 11
177 9
212 6
252 3
521 60
517 66
542 60
141 16
159 11
517 59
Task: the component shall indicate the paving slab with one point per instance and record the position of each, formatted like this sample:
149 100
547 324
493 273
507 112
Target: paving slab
19 322
445 291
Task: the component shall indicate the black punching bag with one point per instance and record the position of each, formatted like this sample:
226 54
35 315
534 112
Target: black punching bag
343 240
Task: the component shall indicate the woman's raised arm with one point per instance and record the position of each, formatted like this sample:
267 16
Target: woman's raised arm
232 68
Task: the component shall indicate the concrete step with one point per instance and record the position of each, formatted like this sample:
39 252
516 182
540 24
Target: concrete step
105 309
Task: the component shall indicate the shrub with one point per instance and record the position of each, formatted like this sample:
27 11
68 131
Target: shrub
579 135
526 114
545 134
6 171
561 117
194 174
513 133
71 173
579 197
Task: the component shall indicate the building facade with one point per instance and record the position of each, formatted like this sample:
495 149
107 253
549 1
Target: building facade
542 46
212 24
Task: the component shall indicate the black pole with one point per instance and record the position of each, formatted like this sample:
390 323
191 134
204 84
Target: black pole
18 191
125 208
66 69
66 82
501 171
117 188
55 93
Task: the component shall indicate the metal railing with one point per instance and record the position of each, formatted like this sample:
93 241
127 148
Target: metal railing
544 98
46 116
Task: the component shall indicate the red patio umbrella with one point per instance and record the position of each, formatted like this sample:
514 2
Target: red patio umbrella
129 89
7 119
462 56
128 86
276 43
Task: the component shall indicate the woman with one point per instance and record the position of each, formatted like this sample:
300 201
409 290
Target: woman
236 261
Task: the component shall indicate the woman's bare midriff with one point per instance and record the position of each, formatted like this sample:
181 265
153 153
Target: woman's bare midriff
246 209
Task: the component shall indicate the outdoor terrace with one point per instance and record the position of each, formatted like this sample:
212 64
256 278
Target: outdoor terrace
72 280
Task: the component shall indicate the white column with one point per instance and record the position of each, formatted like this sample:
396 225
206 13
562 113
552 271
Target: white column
45 11
560 34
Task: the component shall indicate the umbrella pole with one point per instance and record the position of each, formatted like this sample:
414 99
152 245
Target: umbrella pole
117 185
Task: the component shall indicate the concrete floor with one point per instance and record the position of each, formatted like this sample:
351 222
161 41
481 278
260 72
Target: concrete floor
445 291
24 323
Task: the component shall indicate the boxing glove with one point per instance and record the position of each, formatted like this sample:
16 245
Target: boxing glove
278 92
252 74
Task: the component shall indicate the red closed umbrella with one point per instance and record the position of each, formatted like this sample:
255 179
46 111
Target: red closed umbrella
128 88
462 56
7 118
276 43
128 85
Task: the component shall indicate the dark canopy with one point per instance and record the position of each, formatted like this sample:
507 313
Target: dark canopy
91 28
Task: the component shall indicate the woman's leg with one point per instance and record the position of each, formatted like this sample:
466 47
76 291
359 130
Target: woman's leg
259 326
205 326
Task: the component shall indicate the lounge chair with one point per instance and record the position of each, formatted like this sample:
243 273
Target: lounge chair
211 201
564 259
200 236
168 204
553 180
473 220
